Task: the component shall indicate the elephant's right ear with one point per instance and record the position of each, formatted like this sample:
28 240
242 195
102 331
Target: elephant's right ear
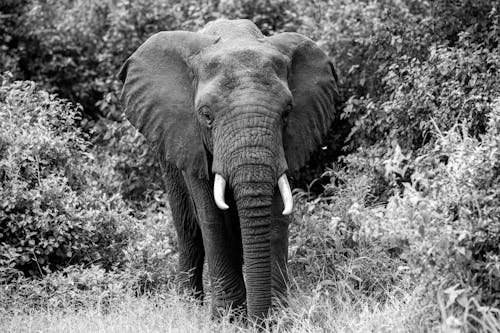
158 92
313 82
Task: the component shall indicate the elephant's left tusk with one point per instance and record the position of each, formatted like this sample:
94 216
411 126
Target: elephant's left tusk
286 194
219 189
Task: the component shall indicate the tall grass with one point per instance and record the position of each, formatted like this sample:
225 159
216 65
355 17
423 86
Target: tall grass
316 310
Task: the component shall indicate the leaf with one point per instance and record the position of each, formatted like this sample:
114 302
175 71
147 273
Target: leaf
453 293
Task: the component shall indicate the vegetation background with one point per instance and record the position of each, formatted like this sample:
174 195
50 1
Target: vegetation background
398 221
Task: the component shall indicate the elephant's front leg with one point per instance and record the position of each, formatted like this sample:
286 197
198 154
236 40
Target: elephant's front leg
228 287
191 251
279 251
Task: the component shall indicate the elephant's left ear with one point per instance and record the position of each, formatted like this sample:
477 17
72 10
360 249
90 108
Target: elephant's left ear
313 83
158 90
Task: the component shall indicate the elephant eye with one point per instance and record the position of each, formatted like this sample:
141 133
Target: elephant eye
206 114
286 113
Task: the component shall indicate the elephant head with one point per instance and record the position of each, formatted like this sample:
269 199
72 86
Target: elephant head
238 108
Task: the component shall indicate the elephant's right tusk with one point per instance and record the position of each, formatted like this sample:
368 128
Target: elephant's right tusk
219 189
286 194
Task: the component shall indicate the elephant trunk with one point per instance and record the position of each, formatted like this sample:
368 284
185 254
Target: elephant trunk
249 156
253 188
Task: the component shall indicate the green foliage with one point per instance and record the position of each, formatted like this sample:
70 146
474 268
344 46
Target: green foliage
126 163
49 214
11 17
478 19
445 218
270 16
453 85
68 289
461 176
152 254
64 203
82 44
326 250
362 37
435 221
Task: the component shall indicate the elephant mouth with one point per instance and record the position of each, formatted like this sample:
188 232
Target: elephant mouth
283 186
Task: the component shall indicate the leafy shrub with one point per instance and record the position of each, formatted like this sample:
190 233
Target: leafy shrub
52 211
126 163
479 19
270 16
462 175
453 85
326 249
80 45
445 219
152 255
11 18
127 166
68 289
366 37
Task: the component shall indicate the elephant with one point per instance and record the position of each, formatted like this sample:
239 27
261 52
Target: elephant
232 114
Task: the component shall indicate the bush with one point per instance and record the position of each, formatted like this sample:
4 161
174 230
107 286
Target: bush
445 218
126 163
454 85
65 202
461 174
479 19
326 249
11 37
53 211
79 46
271 16
68 290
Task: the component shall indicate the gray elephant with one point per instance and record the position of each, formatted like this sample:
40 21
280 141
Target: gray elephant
230 112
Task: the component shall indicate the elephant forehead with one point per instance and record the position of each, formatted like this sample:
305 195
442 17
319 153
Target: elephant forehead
241 54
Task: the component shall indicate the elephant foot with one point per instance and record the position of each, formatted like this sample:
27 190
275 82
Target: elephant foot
189 286
233 312
233 306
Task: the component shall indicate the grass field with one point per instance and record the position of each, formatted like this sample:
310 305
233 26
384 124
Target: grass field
309 311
